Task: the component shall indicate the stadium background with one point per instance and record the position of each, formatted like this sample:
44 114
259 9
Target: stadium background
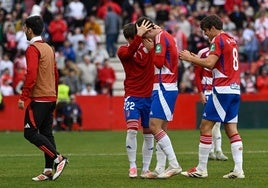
105 112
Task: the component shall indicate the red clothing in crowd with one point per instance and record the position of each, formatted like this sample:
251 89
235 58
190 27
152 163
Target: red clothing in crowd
262 84
57 29
102 10
106 76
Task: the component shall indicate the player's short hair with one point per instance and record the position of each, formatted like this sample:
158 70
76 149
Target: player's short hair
141 19
212 20
35 23
129 31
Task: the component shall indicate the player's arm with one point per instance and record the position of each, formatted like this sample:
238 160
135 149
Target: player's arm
198 82
32 57
207 62
126 52
159 54
198 77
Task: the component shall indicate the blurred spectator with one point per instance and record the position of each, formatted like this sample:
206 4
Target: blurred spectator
7 5
106 77
228 25
47 12
69 65
112 29
6 88
181 39
248 83
88 71
19 72
36 8
238 17
89 90
75 13
73 81
251 43
248 10
127 11
60 59
196 41
187 82
99 54
10 43
261 30
5 62
63 99
91 6
20 21
230 5
68 50
202 5
57 29
265 63
185 25
80 51
75 36
6 77
262 81
91 40
138 12
17 10
92 24
21 40
52 6
162 9
102 9
72 114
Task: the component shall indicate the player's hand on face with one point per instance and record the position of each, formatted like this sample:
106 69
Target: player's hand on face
148 43
143 28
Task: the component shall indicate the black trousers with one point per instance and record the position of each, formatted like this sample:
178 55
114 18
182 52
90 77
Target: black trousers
38 129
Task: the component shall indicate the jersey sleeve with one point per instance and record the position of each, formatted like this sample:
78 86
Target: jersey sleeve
126 52
159 51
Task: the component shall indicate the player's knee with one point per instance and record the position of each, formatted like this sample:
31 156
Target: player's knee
28 136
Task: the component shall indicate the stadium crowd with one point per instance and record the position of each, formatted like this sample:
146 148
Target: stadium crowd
84 47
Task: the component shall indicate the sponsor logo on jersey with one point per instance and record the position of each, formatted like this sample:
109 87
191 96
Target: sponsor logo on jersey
212 47
158 48
235 86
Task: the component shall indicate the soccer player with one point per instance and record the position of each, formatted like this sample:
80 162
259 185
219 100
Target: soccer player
138 84
40 88
164 56
203 80
223 103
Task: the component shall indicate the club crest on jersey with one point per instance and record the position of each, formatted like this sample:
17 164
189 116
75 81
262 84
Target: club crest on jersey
212 47
158 48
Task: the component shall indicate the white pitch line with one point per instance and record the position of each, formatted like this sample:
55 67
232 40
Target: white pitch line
109 154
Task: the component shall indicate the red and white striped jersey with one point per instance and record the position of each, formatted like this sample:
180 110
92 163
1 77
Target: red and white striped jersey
226 72
203 76
165 59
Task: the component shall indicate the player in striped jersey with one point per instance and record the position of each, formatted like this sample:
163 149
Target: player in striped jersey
203 80
223 103
165 92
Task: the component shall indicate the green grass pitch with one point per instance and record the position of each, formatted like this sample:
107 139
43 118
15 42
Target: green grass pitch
98 160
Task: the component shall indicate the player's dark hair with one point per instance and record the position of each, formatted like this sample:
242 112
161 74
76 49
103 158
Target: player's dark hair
35 23
141 19
129 30
210 21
